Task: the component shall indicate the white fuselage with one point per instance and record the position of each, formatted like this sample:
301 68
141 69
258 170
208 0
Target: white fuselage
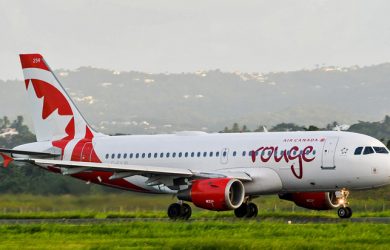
301 161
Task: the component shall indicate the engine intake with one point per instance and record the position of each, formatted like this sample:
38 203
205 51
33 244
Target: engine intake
313 200
216 194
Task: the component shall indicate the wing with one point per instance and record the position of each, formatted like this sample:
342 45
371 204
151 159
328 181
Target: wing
156 175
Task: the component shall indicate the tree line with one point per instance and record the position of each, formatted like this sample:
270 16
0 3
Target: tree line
379 130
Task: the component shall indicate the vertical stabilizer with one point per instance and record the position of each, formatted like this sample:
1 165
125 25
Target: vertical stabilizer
55 116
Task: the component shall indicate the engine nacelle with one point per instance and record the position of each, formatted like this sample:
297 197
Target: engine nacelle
313 200
216 194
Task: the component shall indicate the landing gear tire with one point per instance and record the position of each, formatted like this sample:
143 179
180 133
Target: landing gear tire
179 211
349 212
174 211
186 211
344 212
241 211
252 210
247 210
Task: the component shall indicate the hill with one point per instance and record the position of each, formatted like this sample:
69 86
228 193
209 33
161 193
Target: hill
136 102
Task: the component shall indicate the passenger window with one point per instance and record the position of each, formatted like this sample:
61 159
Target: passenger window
112 156
243 153
125 156
161 155
368 150
131 155
143 155
381 150
198 154
211 154
204 154
155 155
107 156
173 154
167 155
180 154
192 154
149 155
137 155
186 154
358 150
224 153
217 154
234 153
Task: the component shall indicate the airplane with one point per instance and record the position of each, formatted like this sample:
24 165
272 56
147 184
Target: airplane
214 171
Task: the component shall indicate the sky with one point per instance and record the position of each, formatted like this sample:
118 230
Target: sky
185 36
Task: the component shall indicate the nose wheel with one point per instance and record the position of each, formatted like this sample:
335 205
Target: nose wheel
344 211
179 211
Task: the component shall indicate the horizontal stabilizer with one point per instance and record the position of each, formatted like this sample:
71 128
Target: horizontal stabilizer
6 159
24 152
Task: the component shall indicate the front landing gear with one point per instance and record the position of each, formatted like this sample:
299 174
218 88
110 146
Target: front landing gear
246 210
344 211
180 211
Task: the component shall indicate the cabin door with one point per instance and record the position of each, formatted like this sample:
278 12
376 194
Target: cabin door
328 153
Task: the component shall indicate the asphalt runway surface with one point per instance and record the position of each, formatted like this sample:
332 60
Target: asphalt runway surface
380 220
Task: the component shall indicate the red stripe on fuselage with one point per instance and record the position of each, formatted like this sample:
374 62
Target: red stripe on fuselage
93 177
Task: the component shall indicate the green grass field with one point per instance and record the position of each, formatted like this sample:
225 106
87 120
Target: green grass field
218 230
195 235
129 205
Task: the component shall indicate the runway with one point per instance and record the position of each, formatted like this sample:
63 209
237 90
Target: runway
378 220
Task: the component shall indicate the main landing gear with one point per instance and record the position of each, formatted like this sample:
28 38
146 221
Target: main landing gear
246 210
344 211
179 211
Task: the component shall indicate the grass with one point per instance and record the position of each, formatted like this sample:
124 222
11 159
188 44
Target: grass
129 205
270 231
195 235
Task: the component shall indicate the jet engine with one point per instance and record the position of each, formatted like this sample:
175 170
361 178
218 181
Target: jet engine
218 194
314 200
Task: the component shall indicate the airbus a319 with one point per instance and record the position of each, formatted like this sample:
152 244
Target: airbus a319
214 171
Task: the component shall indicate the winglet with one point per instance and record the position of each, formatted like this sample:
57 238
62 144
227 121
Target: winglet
6 160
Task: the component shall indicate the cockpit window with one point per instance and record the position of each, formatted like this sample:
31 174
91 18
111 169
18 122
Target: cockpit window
368 150
358 150
381 150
